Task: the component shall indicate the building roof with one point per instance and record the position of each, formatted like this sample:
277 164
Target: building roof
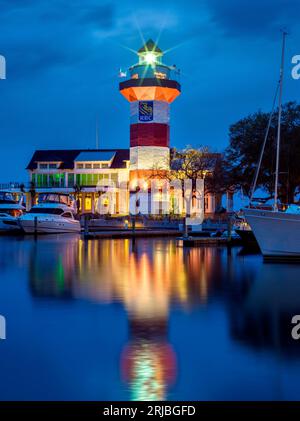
150 46
95 156
67 157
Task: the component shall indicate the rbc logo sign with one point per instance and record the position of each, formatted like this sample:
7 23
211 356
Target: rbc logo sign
2 67
146 110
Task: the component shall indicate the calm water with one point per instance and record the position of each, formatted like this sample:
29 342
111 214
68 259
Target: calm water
106 320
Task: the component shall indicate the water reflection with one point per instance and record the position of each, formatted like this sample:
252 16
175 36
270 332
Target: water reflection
154 276
261 312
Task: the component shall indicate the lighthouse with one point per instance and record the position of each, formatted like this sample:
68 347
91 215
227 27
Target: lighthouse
150 89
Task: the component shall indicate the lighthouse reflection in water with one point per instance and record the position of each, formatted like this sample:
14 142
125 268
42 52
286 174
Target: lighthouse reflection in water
186 324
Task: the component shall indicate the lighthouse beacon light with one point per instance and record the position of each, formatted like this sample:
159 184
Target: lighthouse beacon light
150 58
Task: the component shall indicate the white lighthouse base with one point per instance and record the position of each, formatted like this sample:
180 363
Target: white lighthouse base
149 158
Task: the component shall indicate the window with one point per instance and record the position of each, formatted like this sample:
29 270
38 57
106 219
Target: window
50 211
52 166
114 177
70 180
96 166
104 166
67 215
89 179
88 166
43 166
88 203
95 179
80 166
56 180
42 180
51 180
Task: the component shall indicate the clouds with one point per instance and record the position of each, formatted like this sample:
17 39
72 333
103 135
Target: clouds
43 35
254 17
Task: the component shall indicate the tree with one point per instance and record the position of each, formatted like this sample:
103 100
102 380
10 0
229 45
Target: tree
246 140
194 164
200 163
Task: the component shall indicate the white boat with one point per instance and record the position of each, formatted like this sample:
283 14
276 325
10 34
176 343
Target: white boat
51 216
276 231
10 211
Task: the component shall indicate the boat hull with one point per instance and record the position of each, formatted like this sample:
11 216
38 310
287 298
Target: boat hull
8 225
247 236
49 226
277 233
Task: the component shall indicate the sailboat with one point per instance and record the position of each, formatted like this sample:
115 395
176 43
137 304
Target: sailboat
276 231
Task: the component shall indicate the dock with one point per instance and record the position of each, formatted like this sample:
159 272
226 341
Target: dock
207 241
138 233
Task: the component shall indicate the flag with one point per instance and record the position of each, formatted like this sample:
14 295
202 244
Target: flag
122 74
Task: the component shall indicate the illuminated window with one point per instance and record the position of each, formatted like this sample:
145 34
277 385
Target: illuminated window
160 75
89 179
52 166
114 177
43 166
95 179
42 180
80 166
96 166
88 166
56 180
104 166
88 203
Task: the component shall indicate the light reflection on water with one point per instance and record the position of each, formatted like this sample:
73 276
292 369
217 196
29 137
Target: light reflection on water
153 280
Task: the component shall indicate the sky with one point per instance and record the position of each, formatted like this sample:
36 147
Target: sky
63 59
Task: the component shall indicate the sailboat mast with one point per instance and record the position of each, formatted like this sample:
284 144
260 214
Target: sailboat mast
284 34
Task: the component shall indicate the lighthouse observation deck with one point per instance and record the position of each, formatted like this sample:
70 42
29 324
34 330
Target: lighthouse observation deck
150 79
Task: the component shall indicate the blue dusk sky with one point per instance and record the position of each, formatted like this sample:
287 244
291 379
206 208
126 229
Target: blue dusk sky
63 59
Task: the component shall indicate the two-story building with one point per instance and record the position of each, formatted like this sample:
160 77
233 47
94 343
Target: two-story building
81 171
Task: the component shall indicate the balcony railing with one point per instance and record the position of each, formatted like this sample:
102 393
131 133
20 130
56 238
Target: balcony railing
13 185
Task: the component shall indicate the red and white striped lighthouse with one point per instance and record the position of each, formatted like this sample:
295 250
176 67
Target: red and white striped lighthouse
151 88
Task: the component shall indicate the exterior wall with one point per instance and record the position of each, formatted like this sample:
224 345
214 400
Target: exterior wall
161 113
154 134
149 158
149 135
